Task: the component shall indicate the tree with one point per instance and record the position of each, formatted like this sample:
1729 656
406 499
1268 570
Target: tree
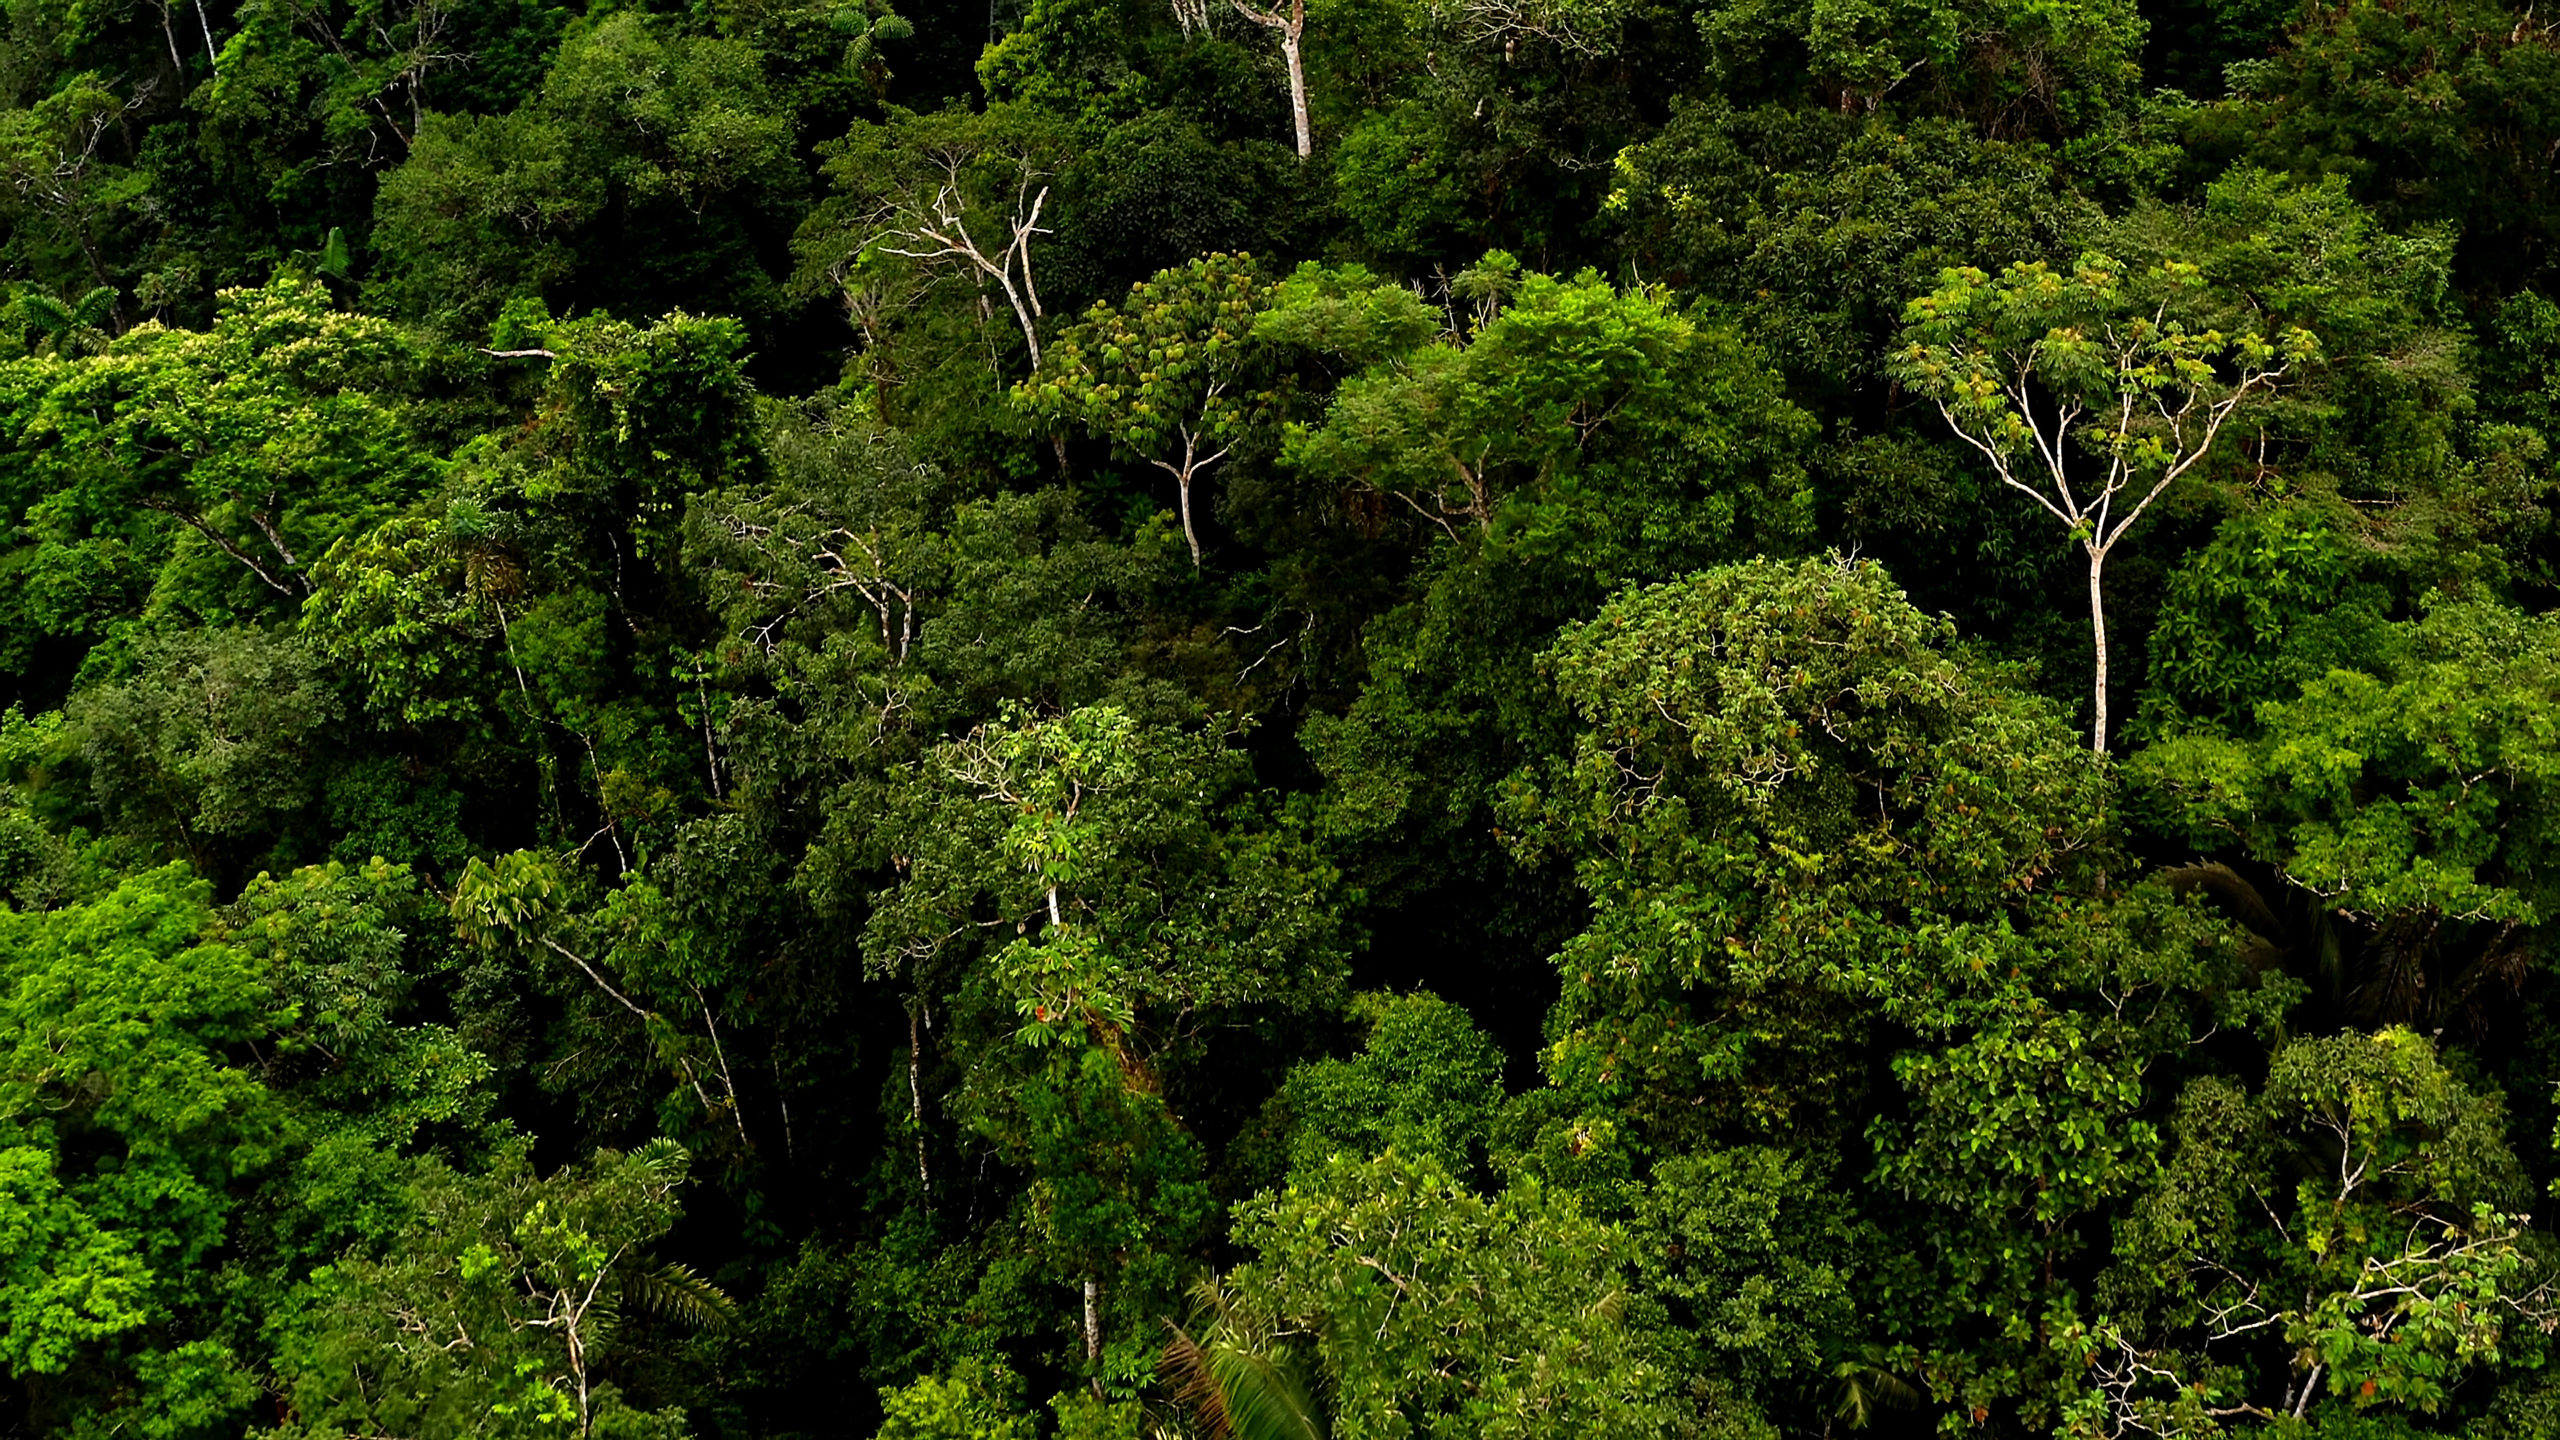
1289 30
1847 901
2014 70
2036 364
651 171
1735 726
1426 1084
2279 597
838 539
1821 252
358 954
1233 1385
2401 800
975 1402
2434 115
1143 903
1499 478
1130 862
524 903
113 1196
2343 1228
1759 1258
498 1312
1564 398
57 158
374 68
216 737
409 607
68 330
269 436
953 195
1169 364
1425 1302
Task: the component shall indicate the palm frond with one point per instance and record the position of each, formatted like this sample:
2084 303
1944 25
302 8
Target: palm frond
91 311
2238 897
1237 1394
1188 1374
1263 1401
677 1293
1867 1387
45 314
664 1161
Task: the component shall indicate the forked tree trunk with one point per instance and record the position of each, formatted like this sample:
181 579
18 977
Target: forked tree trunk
1291 28
1190 468
1189 534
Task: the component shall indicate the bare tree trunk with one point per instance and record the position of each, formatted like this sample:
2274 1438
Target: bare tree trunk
1188 533
1030 336
1297 80
2098 630
1193 462
782 1097
1291 28
177 66
915 1099
578 1368
1093 1330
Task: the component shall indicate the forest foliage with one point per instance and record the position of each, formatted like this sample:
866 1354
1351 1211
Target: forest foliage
1208 720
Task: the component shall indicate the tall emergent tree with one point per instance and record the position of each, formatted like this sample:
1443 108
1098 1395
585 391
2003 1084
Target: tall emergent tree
2035 364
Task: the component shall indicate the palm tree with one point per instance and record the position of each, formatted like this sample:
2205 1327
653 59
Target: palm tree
2411 969
1235 1385
1867 1384
68 330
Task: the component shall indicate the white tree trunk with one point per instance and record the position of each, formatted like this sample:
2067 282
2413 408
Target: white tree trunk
2098 631
915 1100
1093 1330
1297 83
1291 28
1184 484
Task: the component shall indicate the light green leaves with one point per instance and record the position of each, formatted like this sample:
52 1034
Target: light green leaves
2097 345
975 1402
2409 792
2088 394
2042 1107
1564 399
1167 375
123 1123
1426 1084
67 1281
397 606
1122 846
511 897
264 439
1438 1313
497 1311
